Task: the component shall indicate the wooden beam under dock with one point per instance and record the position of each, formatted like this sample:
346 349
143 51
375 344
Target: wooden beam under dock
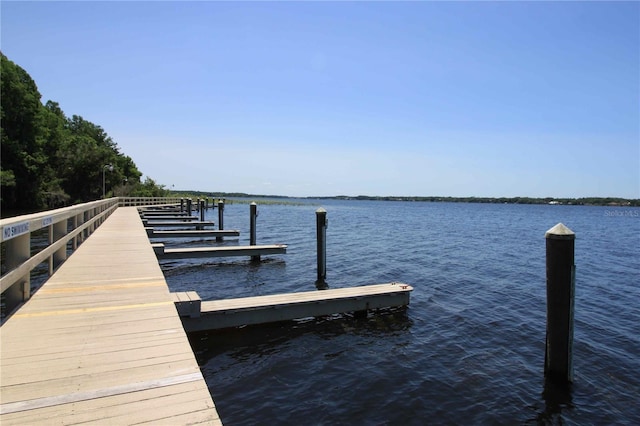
228 313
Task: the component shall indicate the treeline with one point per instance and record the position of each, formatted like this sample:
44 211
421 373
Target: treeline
51 160
587 201
188 193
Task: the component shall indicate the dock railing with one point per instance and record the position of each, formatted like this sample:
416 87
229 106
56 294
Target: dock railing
68 227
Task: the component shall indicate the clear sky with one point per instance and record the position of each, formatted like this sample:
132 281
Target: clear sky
386 98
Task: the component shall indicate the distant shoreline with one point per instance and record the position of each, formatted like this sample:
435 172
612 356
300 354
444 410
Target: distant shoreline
585 201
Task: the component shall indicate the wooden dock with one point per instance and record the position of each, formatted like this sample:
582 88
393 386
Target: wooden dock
229 251
101 342
228 313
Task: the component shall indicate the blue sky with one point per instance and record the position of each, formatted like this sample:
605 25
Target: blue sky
389 98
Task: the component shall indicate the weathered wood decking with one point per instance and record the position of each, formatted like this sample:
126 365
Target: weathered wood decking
101 342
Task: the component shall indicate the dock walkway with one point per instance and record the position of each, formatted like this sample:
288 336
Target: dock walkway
101 341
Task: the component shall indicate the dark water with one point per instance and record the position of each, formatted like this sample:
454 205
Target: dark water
470 347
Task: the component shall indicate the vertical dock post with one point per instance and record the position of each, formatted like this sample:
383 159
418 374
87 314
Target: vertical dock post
253 215
181 205
18 250
188 206
558 364
321 235
201 210
220 218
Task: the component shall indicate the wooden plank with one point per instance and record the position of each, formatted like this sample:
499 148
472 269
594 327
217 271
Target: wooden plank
116 409
192 233
166 218
199 252
103 333
280 307
182 224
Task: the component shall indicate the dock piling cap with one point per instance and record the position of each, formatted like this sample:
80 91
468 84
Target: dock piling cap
560 232
321 210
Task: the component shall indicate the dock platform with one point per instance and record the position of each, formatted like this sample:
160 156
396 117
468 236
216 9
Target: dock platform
179 224
191 233
101 342
229 313
199 252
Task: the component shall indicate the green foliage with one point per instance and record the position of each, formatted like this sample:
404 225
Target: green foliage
149 188
50 160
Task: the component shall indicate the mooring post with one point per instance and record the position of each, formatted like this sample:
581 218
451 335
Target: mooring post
201 210
181 205
188 206
220 218
558 364
253 215
321 236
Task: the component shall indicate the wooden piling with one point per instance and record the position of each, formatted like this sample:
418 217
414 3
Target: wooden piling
560 243
181 205
253 215
202 210
321 236
220 218
189 207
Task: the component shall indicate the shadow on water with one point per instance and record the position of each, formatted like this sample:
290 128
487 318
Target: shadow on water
260 340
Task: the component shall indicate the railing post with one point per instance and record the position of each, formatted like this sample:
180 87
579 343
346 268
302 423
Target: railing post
560 243
60 255
74 243
85 218
18 250
253 215
321 236
220 218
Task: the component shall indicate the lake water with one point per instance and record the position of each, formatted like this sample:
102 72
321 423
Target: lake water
470 347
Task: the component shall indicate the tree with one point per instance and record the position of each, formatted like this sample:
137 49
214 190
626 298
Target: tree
21 140
48 159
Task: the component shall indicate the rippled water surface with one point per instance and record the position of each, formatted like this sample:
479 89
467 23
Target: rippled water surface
470 347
